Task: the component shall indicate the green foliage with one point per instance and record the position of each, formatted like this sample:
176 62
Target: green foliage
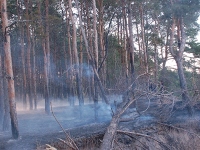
169 79
193 47
114 65
187 9
157 15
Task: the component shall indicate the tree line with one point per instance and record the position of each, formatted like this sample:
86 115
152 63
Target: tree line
87 49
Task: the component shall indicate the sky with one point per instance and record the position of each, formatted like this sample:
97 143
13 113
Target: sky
171 64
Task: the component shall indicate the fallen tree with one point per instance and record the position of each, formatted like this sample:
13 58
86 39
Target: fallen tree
142 89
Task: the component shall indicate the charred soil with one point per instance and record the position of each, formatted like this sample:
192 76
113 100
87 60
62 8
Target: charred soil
38 129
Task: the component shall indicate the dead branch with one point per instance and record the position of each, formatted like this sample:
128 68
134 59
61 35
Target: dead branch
118 144
72 144
144 135
67 143
143 146
111 130
134 92
149 101
127 119
49 147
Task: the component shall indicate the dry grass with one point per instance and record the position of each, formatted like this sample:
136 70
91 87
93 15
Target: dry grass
183 137
83 143
157 137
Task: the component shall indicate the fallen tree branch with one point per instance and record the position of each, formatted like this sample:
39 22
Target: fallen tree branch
111 130
132 94
127 119
49 147
144 135
118 145
71 141
149 102
67 143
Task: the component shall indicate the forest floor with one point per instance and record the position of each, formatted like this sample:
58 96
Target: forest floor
37 128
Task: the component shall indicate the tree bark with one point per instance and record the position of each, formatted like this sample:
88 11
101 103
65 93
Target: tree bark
9 71
178 56
21 30
29 81
124 38
23 68
101 39
76 58
91 58
47 59
71 85
143 38
34 77
1 92
109 136
131 38
96 57
6 118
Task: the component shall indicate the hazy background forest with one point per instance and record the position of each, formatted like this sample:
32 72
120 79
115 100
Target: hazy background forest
83 51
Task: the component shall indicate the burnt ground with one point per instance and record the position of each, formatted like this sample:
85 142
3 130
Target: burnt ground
37 128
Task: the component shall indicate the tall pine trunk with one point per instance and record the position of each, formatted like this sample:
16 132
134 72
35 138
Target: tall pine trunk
47 59
34 76
1 92
9 71
96 58
29 81
131 44
178 56
141 10
103 94
23 68
21 33
68 69
6 118
76 58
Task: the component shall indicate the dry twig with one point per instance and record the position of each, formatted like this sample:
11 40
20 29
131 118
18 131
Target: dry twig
72 144
49 147
144 135
118 145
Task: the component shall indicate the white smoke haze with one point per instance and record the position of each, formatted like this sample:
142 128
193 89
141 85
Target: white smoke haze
88 108
86 69
37 123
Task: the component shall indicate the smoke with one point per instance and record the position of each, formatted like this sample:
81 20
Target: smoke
87 70
37 122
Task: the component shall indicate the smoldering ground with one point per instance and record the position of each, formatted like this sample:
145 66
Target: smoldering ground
35 124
